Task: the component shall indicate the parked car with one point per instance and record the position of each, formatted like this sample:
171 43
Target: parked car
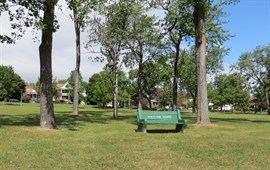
69 102
14 100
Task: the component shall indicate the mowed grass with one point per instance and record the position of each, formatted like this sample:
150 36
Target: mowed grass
93 140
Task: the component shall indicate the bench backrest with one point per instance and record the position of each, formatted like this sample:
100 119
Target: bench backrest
161 117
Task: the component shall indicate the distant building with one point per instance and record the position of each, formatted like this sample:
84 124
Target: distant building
63 89
31 92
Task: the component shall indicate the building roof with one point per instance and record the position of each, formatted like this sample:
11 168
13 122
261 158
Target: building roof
30 89
60 85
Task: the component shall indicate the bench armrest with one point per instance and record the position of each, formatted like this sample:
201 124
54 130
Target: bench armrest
139 117
185 122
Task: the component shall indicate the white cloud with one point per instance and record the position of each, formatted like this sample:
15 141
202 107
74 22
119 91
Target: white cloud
24 55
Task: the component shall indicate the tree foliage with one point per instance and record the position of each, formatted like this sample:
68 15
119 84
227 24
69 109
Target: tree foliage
99 88
229 89
23 14
255 67
143 43
11 84
109 32
179 26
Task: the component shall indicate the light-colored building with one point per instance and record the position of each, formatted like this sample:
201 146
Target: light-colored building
63 89
31 92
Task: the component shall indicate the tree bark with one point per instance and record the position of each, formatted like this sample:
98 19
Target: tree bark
150 103
78 62
200 48
47 119
194 102
140 78
176 76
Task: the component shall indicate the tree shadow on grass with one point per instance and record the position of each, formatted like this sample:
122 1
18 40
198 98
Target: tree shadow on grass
19 120
192 119
238 120
74 122
130 119
65 120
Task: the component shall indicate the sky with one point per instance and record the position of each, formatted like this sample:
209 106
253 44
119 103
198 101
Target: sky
249 21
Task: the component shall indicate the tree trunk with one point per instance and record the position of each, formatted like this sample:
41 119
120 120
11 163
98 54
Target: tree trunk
78 62
176 76
47 119
115 93
140 78
194 103
150 103
194 100
200 48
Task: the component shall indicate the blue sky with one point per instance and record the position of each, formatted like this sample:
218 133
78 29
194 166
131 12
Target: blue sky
249 21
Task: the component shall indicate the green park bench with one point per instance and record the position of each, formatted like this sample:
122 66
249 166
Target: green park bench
145 117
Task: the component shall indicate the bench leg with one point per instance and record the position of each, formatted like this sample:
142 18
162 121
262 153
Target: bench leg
179 127
142 127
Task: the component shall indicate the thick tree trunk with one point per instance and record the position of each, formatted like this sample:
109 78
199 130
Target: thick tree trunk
78 62
200 47
47 119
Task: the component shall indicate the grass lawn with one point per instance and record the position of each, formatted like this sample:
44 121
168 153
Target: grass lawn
93 140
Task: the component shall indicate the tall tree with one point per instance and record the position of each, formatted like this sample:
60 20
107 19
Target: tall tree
200 12
143 43
81 10
255 67
179 26
78 21
110 34
27 15
47 119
